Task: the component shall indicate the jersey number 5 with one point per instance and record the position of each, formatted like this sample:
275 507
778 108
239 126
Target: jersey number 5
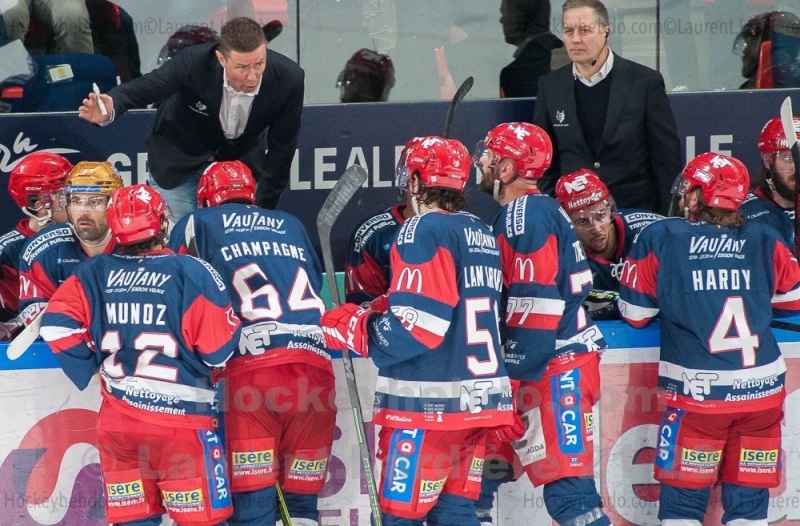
476 336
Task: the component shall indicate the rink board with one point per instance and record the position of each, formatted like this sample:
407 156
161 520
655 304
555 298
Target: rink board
49 471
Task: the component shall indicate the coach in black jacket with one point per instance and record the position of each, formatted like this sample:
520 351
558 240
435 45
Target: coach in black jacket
218 99
621 127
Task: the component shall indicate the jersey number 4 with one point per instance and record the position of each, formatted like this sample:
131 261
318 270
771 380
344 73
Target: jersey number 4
732 332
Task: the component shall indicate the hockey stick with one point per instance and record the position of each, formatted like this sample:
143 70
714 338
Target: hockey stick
24 339
341 194
282 508
787 120
461 92
785 325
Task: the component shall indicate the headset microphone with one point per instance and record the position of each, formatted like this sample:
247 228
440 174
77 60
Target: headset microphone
601 50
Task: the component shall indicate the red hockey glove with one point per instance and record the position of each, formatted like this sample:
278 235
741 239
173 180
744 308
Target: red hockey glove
380 304
345 327
516 430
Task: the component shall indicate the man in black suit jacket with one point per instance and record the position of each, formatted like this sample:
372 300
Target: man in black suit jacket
608 114
526 24
218 99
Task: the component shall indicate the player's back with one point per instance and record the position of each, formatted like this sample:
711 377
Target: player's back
274 279
715 288
437 348
548 279
155 320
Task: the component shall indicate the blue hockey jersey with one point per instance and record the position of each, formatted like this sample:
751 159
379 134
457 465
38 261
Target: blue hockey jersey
438 347
367 270
758 207
10 247
46 261
274 280
628 223
715 290
548 279
153 325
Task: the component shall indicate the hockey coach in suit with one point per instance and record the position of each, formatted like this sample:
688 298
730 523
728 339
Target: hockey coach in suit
608 114
218 101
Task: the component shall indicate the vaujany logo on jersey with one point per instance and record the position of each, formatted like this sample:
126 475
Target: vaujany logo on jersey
128 279
705 247
479 238
253 221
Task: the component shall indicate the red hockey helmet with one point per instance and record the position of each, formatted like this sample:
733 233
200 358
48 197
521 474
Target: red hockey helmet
526 144
367 77
772 139
440 162
580 190
184 37
37 174
401 172
723 179
225 181
136 213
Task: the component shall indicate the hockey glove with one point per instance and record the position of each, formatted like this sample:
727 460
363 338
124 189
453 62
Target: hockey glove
516 430
602 305
345 327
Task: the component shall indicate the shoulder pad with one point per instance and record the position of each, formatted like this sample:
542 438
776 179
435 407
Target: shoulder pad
44 240
369 227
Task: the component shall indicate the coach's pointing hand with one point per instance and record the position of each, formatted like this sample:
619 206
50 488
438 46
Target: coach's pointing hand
90 109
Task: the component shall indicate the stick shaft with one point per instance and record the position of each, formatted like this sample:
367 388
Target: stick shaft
341 194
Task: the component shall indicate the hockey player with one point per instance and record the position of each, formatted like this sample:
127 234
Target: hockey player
442 384
368 76
605 233
367 269
35 185
714 280
154 324
772 200
550 345
280 411
50 257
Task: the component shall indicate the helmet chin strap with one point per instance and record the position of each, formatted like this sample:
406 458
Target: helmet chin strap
42 221
496 190
415 204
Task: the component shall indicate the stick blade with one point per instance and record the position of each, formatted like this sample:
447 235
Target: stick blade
461 92
787 121
345 188
24 339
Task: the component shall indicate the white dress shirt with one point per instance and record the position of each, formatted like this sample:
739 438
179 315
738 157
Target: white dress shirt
235 108
600 75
